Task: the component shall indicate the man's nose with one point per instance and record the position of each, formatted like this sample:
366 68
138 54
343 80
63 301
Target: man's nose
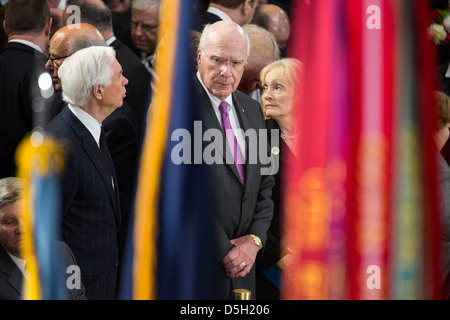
226 70
48 65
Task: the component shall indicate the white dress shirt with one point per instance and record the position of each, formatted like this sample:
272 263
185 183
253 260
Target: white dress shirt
27 43
234 121
222 15
88 121
20 264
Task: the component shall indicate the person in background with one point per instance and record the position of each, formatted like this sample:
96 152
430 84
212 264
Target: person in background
62 45
121 14
27 25
440 138
144 30
12 264
281 81
239 11
263 51
274 19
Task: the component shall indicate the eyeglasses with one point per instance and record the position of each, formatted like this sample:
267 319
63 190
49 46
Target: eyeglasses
144 27
222 63
52 60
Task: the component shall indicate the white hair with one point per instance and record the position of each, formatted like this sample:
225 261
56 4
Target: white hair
144 4
84 69
206 31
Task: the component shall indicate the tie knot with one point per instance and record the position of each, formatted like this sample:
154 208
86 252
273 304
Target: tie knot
223 107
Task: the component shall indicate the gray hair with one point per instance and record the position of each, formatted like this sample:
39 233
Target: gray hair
84 69
97 14
206 31
253 28
11 190
82 42
144 4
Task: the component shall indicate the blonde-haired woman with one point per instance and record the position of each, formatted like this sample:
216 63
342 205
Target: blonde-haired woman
281 84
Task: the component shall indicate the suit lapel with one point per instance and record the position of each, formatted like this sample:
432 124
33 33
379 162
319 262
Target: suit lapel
8 266
95 155
210 121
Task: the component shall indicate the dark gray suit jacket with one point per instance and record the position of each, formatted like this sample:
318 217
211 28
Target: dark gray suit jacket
91 209
238 210
11 277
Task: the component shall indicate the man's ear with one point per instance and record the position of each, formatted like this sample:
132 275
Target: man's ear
248 6
199 54
4 28
97 91
48 27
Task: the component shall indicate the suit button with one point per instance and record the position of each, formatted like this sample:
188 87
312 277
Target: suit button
116 263
244 199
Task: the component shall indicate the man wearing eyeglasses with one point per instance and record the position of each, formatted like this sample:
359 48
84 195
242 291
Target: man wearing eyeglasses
27 25
144 29
61 48
241 199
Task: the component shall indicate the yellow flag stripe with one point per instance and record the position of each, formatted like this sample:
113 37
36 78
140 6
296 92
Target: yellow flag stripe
147 195
34 160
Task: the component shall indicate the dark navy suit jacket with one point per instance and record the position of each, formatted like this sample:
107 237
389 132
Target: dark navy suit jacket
91 209
204 19
20 66
11 278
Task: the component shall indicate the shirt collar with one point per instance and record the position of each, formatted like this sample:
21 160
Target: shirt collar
214 100
19 262
111 40
89 122
62 4
28 43
222 15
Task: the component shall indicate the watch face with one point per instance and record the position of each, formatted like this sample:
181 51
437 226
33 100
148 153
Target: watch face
257 240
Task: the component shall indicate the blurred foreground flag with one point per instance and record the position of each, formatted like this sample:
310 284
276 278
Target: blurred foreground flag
168 255
40 162
361 210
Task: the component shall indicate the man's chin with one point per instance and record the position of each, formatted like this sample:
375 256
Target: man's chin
222 94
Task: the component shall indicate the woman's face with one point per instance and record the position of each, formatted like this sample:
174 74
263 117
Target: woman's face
442 136
277 97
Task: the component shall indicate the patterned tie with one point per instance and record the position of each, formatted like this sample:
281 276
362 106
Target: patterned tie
231 138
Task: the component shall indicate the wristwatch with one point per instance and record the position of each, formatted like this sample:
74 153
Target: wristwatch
257 240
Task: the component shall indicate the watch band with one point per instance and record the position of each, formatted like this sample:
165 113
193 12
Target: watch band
257 240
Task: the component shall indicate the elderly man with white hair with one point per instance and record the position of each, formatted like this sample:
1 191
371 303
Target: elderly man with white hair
241 194
93 87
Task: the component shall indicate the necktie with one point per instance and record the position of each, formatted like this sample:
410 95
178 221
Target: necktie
231 138
104 149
